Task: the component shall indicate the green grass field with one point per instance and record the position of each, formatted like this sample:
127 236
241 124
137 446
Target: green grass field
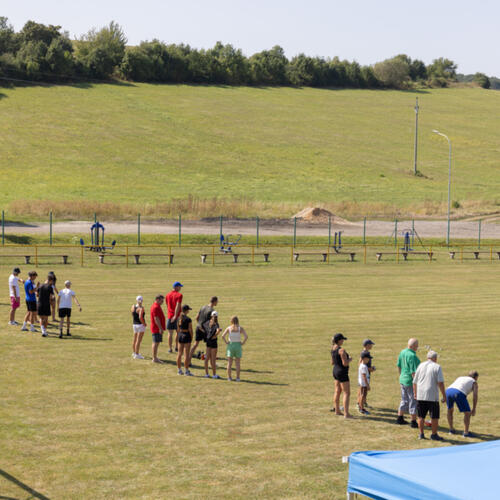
81 419
268 151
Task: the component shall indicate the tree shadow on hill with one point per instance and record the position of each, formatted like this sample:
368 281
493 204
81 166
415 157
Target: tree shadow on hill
23 486
78 83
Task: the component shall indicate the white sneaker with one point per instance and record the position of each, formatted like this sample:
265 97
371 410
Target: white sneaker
238 380
180 372
24 329
139 356
13 323
134 355
32 329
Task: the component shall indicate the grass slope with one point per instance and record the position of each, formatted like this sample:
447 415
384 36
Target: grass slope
81 419
260 150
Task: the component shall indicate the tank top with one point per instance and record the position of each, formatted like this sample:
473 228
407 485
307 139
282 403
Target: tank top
337 361
184 323
235 336
136 317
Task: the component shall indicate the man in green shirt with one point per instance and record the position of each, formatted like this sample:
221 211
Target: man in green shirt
407 365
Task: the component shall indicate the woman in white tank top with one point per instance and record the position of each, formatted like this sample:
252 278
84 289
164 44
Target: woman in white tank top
232 337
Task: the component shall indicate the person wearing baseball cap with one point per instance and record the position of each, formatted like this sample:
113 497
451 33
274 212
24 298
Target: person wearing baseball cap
340 362
138 326
212 330
174 305
367 346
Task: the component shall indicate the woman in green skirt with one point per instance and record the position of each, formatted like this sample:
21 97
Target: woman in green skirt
232 337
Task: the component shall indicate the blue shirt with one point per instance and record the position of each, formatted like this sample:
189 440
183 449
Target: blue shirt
28 286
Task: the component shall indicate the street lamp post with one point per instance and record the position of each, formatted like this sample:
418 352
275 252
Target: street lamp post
449 183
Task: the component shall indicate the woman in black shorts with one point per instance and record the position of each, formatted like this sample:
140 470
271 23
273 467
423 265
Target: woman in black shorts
340 362
56 293
185 337
212 330
45 295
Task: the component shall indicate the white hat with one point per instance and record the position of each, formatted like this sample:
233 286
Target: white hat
432 355
214 313
67 282
139 298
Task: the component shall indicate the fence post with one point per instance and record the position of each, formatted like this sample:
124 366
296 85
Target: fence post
50 230
213 256
138 229
180 230
169 256
257 234
3 227
95 217
397 255
413 232
291 255
430 254
220 229
462 253
364 256
294 231
329 232
491 254
36 255
253 255
81 255
328 254
126 256
396 233
479 236
364 231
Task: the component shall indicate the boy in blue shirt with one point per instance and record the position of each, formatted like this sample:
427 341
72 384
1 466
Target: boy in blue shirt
30 289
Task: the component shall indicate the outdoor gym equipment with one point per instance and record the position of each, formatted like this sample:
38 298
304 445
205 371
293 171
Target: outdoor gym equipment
226 245
338 246
409 236
97 239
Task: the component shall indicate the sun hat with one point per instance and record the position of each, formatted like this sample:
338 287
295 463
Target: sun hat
214 313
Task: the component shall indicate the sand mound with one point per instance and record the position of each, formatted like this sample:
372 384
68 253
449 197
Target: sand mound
319 215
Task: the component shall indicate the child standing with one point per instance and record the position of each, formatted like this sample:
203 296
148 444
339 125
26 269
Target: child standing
363 381
64 304
138 326
30 289
367 346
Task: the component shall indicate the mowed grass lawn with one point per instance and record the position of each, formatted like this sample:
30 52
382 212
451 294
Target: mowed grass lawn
81 419
268 150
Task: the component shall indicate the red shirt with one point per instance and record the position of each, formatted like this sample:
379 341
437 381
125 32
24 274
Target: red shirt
157 312
172 299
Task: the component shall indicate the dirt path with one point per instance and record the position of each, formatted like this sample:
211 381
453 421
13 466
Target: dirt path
425 229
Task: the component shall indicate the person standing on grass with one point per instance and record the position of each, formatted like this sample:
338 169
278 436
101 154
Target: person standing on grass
340 362
407 366
55 294
185 336
45 295
138 326
64 306
367 346
363 381
202 317
212 328
157 326
427 383
174 304
232 337
457 393
30 289
15 297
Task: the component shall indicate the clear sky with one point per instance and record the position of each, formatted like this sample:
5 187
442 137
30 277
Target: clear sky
367 31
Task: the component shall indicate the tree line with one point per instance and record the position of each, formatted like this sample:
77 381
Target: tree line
45 53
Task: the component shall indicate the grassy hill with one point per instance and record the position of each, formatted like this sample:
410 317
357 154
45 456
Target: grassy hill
165 149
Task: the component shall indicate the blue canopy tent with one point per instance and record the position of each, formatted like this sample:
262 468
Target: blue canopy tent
454 472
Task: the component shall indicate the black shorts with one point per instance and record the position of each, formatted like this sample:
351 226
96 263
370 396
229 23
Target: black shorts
428 406
200 334
31 305
342 375
171 325
44 309
212 343
65 312
185 338
157 338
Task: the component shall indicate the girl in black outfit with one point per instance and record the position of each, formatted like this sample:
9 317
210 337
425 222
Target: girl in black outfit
340 362
56 293
185 337
212 330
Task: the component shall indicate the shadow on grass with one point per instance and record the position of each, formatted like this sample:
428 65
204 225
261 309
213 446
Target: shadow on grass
25 487
262 383
18 240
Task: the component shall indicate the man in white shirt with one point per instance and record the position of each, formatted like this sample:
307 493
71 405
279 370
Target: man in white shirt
427 383
15 297
457 393
64 304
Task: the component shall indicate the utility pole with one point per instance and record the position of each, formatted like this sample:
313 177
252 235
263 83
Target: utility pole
415 170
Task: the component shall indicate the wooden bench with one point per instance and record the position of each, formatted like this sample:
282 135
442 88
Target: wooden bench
324 255
169 255
102 255
235 256
404 254
474 252
27 258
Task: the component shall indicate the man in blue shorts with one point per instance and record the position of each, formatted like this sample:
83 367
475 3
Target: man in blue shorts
457 394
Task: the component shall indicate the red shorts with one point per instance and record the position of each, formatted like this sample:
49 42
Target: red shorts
14 302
